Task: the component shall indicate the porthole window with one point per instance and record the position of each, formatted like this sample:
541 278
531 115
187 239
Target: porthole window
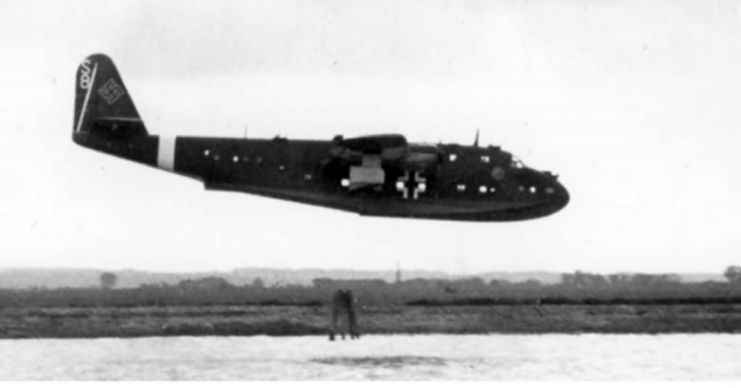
282 168
216 158
259 160
461 188
485 158
521 188
345 182
235 159
206 152
453 157
533 189
307 177
550 190
482 189
492 190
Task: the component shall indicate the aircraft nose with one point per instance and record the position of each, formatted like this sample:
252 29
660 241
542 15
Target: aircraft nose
557 192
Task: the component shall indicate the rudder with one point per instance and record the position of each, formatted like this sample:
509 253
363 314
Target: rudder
101 99
106 119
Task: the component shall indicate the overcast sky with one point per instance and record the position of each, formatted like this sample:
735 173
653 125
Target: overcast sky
636 104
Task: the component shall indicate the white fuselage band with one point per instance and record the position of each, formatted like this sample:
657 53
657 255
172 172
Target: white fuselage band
166 153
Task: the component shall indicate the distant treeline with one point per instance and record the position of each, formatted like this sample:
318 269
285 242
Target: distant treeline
578 288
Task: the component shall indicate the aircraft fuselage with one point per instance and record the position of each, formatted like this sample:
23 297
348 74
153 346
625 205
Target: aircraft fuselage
375 175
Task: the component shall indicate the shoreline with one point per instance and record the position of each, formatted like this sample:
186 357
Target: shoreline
133 322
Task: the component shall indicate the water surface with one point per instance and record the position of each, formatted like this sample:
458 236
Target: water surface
402 357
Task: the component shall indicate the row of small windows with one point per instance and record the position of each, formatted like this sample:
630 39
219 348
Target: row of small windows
482 189
484 158
235 158
516 163
460 187
246 159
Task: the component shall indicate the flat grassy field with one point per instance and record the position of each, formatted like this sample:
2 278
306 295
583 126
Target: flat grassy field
94 322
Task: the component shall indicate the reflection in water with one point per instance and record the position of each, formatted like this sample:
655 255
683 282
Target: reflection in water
402 357
382 362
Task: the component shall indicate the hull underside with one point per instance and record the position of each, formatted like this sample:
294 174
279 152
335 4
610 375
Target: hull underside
368 205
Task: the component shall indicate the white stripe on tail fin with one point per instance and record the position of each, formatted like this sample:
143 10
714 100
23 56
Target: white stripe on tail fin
87 81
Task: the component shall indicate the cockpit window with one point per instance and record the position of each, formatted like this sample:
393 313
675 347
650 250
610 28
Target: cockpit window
517 163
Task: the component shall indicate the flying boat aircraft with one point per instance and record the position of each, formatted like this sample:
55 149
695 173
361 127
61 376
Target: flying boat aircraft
380 175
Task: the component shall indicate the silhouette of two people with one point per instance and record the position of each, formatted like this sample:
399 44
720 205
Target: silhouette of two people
343 301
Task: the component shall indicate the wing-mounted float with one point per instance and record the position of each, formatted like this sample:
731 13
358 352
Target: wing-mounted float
380 175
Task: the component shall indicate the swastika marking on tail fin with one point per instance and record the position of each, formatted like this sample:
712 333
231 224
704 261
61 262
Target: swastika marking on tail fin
111 91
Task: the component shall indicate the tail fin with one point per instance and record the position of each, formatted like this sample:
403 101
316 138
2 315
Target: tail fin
103 106
106 119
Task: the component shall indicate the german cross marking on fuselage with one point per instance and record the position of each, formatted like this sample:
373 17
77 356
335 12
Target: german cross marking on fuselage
111 91
416 184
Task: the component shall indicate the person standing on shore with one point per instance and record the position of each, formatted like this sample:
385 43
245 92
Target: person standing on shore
344 300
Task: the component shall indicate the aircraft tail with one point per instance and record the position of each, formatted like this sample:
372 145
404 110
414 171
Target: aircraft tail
105 116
